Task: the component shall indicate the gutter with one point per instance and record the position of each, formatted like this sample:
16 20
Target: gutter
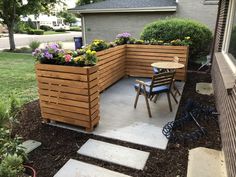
116 10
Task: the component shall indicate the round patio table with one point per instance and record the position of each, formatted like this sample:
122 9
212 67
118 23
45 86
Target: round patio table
168 65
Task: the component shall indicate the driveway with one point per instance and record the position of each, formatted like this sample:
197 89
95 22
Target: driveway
24 39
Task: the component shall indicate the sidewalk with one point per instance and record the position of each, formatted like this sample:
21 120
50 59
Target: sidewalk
24 39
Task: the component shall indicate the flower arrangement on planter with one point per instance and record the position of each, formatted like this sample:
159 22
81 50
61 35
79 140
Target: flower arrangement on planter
54 54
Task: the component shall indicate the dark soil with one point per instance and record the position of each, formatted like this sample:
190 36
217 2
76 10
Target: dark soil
59 145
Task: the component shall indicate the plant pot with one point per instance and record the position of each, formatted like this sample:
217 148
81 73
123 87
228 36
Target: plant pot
30 171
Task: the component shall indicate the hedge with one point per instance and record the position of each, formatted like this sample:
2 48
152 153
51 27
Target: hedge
172 29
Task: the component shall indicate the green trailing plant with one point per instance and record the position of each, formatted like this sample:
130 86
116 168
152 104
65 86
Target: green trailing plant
169 30
34 45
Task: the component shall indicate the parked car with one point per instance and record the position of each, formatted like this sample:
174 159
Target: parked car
61 26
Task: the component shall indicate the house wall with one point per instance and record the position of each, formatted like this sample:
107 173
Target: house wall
106 26
198 10
225 93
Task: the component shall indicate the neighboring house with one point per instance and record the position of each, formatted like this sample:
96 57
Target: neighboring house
224 80
107 18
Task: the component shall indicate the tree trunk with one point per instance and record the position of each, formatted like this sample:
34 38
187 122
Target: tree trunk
11 36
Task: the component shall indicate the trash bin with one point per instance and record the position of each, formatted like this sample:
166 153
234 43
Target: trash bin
78 42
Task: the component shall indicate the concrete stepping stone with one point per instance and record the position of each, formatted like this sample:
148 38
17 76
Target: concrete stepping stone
204 88
114 154
74 168
204 162
30 145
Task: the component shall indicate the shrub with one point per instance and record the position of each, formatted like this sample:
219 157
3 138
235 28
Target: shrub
232 48
177 29
38 32
60 30
76 28
11 166
34 45
46 28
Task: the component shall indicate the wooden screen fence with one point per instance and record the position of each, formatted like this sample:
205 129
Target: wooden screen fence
70 94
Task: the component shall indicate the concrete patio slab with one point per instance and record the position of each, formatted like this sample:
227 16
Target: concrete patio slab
115 154
119 119
30 145
204 88
74 168
206 163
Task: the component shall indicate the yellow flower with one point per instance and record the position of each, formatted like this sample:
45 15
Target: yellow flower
76 59
187 38
94 52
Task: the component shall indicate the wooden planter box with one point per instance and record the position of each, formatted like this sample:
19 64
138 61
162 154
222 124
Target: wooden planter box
69 94
140 57
111 66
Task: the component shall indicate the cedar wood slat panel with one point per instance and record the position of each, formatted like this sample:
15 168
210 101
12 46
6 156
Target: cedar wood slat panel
225 102
136 60
69 94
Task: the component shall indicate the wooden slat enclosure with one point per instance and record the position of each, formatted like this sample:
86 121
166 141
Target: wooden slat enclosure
69 94
111 66
140 57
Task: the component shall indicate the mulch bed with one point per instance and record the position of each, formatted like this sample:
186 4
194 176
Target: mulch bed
59 145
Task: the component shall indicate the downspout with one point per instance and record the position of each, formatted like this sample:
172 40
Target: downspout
83 30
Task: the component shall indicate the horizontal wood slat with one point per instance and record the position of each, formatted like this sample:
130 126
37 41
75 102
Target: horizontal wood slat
140 57
111 66
69 94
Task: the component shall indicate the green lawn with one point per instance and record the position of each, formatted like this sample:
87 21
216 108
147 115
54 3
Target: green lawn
52 32
17 76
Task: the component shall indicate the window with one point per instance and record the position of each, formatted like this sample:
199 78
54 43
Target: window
210 2
229 44
232 41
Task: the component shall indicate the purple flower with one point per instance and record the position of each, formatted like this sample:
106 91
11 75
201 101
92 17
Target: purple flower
123 35
48 55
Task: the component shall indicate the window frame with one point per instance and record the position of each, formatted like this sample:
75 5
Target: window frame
227 35
210 2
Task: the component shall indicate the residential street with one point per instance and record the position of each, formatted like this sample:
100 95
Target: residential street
24 39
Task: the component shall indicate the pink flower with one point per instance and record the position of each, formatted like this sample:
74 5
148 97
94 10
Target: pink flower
68 58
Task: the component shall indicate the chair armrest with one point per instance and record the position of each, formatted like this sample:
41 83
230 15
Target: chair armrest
142 83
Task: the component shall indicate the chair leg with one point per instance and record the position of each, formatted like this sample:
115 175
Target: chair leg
169 101
176 89
174 97
148 107
136 99
156 97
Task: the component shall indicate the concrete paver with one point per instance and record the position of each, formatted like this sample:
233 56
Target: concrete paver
74 168
120 155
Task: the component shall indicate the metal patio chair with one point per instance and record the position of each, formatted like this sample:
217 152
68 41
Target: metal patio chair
161 83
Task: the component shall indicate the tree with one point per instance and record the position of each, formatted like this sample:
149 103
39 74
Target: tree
12 10
83 2
68 17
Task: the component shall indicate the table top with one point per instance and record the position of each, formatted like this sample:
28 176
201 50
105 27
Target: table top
167 65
